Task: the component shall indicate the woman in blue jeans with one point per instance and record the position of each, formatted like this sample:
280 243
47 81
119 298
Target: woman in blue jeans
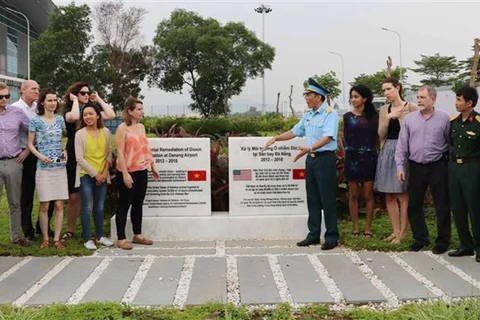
94 157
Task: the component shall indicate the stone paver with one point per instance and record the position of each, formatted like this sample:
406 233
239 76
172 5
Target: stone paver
8 262
21 280
160 283
256 281
64 284
444 279
114 282
249 272
304 283
466 264
180 252
209 282
403 285
350 280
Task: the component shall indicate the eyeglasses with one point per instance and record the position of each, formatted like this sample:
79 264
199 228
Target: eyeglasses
84 93
6 96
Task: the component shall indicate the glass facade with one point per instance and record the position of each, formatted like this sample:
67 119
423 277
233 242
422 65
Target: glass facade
12 53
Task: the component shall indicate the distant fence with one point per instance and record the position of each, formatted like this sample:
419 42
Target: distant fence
113 124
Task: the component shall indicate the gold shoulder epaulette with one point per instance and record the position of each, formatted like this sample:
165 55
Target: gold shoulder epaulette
454 117
477 118
328 110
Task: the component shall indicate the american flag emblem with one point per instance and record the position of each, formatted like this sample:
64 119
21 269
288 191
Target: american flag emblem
242 175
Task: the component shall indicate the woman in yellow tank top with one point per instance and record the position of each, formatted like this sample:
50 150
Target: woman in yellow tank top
94 157
133 159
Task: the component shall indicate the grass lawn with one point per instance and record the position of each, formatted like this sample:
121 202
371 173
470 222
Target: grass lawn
74 247
381 229
461 310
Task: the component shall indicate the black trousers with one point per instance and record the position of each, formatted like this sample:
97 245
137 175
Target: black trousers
131 197
26 199
434 176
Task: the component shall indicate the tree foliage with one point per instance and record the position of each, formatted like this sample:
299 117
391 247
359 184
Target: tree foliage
124 61
60 57
374 81
212 60
330 82
438 70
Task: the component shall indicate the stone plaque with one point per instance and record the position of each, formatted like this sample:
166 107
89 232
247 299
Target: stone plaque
184 185
266 182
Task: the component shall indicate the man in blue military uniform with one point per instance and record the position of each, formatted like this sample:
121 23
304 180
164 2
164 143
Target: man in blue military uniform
464 172
320 126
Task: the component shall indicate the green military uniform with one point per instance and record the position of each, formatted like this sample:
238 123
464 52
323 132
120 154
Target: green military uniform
464 178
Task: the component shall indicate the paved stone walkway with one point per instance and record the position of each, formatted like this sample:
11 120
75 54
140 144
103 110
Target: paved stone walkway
248 272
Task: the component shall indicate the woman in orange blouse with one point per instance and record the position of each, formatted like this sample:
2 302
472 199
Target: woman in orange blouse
133 159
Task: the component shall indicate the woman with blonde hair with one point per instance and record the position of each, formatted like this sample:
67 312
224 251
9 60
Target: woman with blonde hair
133 159
391 118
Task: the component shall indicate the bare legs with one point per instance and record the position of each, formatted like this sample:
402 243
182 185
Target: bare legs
398 218
354 191
43 217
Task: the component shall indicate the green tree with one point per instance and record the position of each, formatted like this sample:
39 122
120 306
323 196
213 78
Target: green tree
330 82
60 57
124 62
211 60
374 81
439 70
463 77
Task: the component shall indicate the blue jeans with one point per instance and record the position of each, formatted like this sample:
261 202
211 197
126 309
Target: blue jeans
91 193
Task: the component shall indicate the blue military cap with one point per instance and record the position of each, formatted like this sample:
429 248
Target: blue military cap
313 86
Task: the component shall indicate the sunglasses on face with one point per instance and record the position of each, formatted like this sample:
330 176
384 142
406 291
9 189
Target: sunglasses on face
6 96
84 93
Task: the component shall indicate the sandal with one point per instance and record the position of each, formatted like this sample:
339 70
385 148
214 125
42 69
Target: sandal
59 245
355 233
67 236
367 234
45 244
390 238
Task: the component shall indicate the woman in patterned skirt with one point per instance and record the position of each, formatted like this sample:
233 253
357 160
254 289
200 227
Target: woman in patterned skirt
390 120
360 132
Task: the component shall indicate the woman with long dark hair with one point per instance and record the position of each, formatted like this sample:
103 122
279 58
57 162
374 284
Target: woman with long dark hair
360 133
45 142
391 119
94 157
77 95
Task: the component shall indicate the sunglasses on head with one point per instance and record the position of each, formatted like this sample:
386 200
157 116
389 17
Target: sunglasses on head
6 96
84 93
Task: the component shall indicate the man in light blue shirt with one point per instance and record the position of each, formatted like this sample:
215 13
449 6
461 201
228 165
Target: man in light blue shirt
320 126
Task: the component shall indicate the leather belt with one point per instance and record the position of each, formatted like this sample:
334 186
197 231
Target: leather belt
465 160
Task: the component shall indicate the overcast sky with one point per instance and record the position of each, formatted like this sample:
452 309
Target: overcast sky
303 34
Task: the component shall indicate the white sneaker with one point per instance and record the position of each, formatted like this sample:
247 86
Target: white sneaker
90 245
105 241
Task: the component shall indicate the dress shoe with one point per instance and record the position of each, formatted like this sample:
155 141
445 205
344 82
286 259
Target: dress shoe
307 242
329 245
415 247
30 238
124 244
138 239
439 249
460 253
477 257
22 242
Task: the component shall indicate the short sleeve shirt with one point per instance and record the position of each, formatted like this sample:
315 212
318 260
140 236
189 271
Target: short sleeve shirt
49 140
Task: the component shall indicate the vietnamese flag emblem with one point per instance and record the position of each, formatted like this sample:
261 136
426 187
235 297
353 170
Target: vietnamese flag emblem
298 174
196 175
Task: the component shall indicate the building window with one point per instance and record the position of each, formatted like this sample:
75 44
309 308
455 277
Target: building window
12 52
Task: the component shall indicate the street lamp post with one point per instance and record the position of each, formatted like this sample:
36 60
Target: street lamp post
343 77
28 38
400 43
263 9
